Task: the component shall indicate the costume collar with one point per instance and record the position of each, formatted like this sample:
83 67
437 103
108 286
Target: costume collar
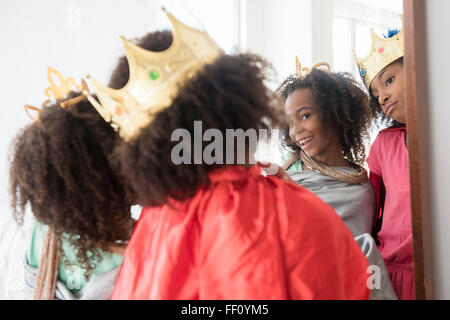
400 128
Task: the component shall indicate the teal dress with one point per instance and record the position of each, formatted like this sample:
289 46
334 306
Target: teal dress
295 167
71 274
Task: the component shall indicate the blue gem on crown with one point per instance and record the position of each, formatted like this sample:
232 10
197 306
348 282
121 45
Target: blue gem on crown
362 72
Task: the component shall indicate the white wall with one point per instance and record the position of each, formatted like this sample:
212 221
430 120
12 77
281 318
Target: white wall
438 44
375 12
322 31
279 30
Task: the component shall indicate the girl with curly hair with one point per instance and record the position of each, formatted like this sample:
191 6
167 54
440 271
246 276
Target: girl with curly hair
62 168
329 120
225 231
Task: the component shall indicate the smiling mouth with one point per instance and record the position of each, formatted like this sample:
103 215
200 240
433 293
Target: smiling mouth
304 143
391 108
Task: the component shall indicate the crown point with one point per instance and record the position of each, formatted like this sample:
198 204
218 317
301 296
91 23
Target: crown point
84 86
383 51
145 93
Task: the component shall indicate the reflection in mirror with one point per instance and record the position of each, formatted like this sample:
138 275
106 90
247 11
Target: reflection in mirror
353 21
315 31
350 23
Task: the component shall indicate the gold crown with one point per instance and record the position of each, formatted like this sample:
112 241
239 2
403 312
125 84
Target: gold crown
154 78
384 51
304 71
58 92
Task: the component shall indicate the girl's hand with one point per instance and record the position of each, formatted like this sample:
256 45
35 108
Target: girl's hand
274 170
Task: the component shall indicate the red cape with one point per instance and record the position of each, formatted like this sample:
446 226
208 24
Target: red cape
244 236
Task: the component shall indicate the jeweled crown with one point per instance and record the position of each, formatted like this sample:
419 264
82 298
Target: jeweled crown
154 78
384 51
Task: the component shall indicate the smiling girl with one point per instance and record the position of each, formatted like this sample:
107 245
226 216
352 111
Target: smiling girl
329 119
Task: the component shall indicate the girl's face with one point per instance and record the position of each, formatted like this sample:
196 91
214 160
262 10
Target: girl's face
387 88
306 129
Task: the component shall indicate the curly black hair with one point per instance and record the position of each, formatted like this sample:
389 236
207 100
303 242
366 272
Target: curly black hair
61 166
378 114
342 101
229 93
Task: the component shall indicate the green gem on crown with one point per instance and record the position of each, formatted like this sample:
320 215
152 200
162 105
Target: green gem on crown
153 74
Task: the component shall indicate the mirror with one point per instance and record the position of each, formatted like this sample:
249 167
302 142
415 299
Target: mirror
315 31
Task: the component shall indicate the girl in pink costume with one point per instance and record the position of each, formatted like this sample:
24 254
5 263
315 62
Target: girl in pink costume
382 73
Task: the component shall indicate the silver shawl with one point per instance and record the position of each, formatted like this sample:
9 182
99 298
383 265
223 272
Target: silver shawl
355 204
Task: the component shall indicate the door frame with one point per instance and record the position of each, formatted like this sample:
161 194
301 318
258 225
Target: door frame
416 93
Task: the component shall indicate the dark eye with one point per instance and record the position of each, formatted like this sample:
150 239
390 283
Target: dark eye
305 116
389 81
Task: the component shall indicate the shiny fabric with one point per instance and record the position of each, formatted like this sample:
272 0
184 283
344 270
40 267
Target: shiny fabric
243 236
388 163
355 204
